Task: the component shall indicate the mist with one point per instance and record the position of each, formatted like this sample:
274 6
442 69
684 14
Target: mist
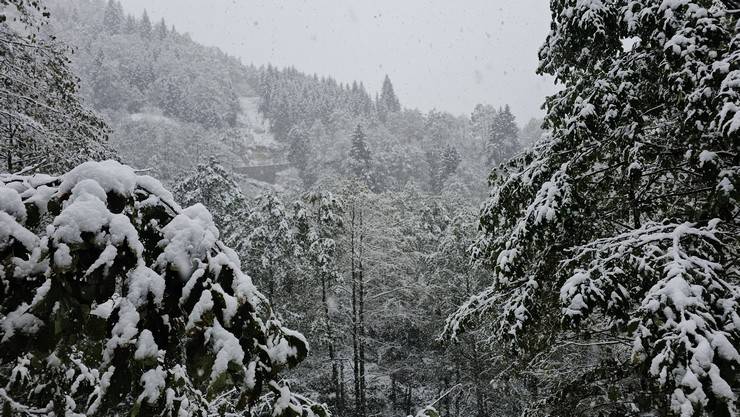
440 54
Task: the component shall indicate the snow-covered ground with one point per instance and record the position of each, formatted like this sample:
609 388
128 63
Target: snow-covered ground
251 119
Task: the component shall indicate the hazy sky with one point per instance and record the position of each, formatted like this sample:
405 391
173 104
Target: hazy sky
442 54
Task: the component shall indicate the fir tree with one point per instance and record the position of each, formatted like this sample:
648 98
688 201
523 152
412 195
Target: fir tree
145 26
299 154
270 247
442 164
318 220
502 140
161 29
213 187
359 157
388 102
113 18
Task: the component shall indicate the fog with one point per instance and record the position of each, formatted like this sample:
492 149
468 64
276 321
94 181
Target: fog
439 54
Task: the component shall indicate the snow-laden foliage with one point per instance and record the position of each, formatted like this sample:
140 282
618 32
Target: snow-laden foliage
626 217
211 185
115 300
270 245
42 121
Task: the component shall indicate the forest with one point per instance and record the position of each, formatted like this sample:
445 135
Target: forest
185 234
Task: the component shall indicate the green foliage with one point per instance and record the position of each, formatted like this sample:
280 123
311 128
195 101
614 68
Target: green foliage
117 301
209 184
614 242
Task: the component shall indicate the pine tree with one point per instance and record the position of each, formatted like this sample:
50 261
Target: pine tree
388 102
502 138
270 247
213 187
145 26
359 157
125 303
299 154
623 225
319 222
531 132
161 29
481 120
442 163
113 18
130 26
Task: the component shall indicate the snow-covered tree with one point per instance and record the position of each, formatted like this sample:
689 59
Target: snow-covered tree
387 103
531 132
113 18
442 163
481 120
213 187
114 300
359 162
270 246
623 225
502 141
42 122
299 154
145 26
318 222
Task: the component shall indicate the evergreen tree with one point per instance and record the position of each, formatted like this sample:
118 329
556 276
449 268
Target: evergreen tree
113 18
442 164
319 221
125 303
145 26
531 132
299 154
209 184
502 137
359 157
388 102
270 247
130 26
481 120
161 29
623 226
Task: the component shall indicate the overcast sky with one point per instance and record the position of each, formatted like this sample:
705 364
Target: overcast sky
442 54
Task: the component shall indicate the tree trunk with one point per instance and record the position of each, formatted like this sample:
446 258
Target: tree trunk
332 355
355 350
361 320
393 392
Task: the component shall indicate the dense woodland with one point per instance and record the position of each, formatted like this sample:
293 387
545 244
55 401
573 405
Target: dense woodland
390 262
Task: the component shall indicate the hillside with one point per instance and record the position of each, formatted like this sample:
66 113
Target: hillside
327 251
173 103
230 135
